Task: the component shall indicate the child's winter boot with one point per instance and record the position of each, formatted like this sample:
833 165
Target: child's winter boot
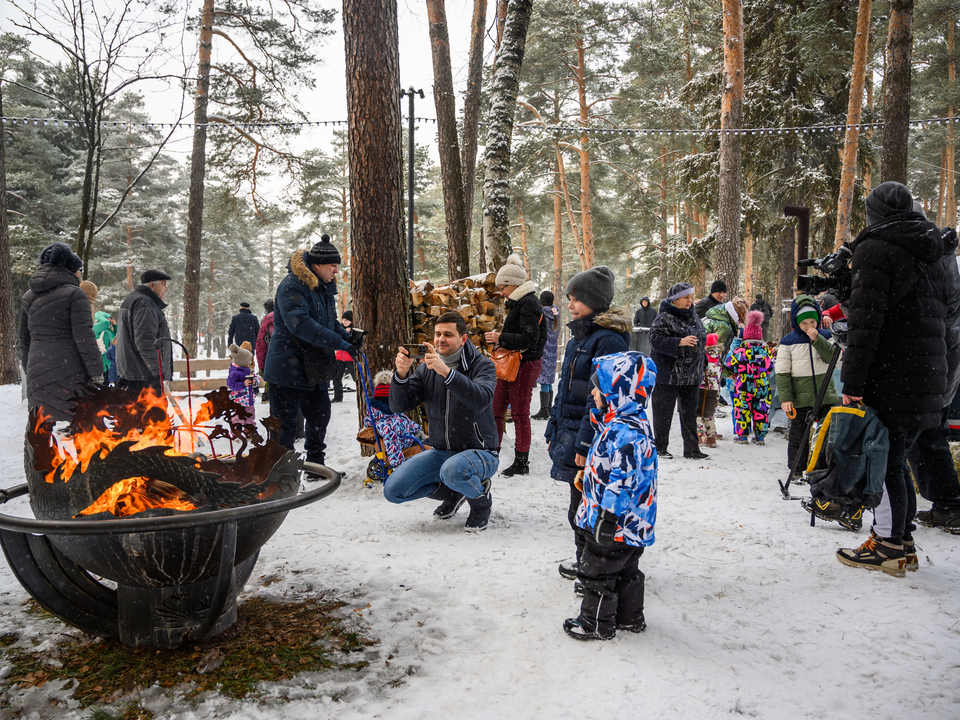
876 553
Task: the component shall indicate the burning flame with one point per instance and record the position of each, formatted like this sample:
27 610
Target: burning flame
137 494
149 425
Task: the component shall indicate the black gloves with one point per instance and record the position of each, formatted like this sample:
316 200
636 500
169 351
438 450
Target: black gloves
605 529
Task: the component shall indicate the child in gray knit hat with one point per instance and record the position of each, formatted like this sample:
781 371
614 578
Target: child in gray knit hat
593 287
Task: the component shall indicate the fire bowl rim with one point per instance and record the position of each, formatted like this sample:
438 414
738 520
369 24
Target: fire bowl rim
158 524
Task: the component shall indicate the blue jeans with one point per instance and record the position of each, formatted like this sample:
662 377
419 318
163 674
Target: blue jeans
422 475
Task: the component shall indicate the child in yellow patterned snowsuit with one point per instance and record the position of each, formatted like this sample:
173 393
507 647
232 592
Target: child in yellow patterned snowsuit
751 366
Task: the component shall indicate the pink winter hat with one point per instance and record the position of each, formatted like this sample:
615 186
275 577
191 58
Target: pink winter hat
712 339
753 331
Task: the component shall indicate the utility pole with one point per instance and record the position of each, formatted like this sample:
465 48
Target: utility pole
410 94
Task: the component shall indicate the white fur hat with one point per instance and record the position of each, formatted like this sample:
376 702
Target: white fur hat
512 273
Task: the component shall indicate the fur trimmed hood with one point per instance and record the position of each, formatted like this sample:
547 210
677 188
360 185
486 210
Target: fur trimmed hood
524 290
615 319
301 270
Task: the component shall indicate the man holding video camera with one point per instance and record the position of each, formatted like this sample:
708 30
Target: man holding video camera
896 356
456 384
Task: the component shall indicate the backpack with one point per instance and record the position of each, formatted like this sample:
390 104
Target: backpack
849 460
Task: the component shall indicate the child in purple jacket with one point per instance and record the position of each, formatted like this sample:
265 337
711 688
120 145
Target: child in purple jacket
243 382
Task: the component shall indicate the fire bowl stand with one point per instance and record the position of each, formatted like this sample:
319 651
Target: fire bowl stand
158 615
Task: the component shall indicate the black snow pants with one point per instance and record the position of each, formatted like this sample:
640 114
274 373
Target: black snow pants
612 584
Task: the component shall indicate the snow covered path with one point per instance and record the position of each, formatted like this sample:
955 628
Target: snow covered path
748 611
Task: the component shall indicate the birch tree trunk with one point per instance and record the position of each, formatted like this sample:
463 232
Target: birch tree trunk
848 172
381 296
503 104
198 166
729 211
458 255
896 99
471 111
950 174
9 363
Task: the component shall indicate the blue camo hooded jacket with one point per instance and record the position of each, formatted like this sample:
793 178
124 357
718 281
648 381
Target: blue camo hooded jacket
621 471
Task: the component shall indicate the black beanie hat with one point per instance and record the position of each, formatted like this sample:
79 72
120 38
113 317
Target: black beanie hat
153 276
347 315
245 304
546 298
886 200
323 253
718 286
593 287
60 254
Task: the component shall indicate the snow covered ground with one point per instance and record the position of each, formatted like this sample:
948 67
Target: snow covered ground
748 611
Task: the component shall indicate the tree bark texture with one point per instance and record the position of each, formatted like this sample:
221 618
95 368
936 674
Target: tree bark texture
848 172
950 214
896 98
586 216
9 371
381 296
471 111
788 269
451 175
503 105
557 241
731 180
198 167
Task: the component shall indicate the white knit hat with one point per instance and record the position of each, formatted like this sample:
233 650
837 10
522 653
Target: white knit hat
512 273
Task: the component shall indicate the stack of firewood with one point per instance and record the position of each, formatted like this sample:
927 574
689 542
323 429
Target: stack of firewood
475 298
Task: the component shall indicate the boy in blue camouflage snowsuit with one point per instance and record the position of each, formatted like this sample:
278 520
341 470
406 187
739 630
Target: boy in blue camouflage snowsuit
619 507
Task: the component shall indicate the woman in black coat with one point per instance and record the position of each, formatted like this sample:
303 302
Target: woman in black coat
679 342
57 347
523 329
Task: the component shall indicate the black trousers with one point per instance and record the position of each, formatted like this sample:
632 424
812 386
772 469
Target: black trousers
893 517
136 386
665 399
578 537
342 367
612 584
930 463
286 403
798 440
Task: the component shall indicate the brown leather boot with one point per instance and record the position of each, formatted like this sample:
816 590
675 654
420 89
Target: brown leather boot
711 442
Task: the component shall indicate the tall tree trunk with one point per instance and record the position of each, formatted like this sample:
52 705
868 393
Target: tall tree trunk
503 105
942 188
586 216
731 115
748 264
896 99
9 372
788 265
471 111
557 241
567 203
523 238
198 167
458 254
851 142
950 180
381 297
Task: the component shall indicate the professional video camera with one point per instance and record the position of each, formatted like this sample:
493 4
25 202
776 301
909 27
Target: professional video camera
836 271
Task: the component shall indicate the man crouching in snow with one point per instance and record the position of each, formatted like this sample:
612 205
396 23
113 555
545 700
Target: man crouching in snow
456 384
619 505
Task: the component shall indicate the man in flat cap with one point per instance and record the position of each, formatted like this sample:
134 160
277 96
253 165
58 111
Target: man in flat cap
140 322
244 326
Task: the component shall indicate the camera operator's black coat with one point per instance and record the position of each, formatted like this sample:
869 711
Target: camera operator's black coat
896 356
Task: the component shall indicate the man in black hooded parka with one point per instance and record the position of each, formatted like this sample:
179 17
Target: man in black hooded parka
896 359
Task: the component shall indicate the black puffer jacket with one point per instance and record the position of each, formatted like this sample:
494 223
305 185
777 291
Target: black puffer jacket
952 272
645 314
459 407
244 326
139 323
57 347
524 328
677 365
896 357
